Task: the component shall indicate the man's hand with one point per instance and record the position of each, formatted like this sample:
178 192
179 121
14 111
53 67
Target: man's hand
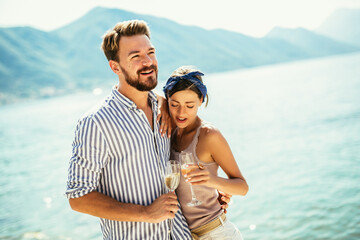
164 116
224 200
164 207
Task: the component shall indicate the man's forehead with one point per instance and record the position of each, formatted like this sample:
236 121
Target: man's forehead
133 43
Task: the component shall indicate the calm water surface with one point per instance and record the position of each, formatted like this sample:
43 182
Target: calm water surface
294 130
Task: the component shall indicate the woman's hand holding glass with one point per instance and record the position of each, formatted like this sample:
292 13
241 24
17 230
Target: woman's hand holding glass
199 175
187 165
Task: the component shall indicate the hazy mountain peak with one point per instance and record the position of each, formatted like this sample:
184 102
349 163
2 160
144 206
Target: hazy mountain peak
279 32
343 25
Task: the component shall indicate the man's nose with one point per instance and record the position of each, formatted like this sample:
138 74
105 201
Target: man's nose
147 61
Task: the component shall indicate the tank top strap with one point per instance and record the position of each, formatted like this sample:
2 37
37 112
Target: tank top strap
173 133
194 143
195 140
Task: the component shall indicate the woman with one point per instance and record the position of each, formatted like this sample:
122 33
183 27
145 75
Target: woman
185 93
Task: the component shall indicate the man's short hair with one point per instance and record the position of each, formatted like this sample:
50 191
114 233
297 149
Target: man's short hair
111 39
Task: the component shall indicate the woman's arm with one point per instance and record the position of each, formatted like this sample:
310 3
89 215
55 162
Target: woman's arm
163 114
212 145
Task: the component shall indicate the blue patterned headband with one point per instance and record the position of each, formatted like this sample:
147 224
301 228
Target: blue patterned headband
172 81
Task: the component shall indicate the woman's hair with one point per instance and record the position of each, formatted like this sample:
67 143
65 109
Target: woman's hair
111 39
184 84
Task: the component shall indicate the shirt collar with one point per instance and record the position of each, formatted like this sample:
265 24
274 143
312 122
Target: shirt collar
127 102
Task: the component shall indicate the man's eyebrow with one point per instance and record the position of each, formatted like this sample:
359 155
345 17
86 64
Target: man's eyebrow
136 51
133 52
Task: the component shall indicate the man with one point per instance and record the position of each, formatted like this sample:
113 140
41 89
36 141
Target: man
116 170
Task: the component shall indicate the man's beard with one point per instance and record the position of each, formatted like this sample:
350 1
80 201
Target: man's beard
135 82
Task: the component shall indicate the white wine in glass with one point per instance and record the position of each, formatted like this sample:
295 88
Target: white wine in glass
172 175
188 159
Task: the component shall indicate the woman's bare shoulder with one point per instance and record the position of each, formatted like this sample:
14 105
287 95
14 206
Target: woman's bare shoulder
210 134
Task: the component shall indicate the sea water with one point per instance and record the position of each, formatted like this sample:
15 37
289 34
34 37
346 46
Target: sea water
293 128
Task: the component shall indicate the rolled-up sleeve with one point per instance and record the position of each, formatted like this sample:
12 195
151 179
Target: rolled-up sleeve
89 156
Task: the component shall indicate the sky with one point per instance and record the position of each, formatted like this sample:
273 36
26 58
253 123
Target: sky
252 17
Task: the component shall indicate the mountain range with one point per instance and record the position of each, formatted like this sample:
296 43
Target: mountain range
36 63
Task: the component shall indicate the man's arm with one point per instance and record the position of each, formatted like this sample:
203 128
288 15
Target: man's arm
89 157
100 205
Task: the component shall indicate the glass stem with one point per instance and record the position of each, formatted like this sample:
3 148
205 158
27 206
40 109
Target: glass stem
192 192
170 223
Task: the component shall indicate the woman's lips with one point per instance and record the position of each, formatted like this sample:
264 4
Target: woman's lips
181 120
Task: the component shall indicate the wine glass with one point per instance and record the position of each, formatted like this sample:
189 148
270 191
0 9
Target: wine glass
188 159
172 179
172 175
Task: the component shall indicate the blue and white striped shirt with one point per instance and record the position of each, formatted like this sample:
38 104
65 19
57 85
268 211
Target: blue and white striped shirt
116 152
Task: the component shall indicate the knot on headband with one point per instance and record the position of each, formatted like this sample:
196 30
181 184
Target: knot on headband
191 77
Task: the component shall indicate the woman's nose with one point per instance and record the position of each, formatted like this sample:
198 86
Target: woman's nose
181 110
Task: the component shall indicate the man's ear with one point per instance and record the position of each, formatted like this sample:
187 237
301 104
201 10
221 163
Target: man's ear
115 67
